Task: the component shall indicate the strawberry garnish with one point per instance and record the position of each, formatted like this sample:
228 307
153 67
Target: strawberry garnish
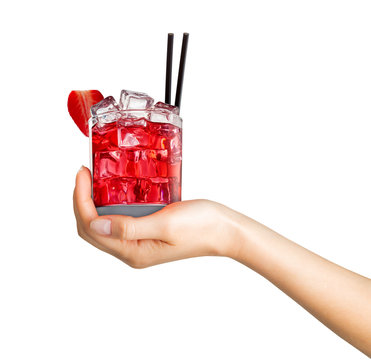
79 104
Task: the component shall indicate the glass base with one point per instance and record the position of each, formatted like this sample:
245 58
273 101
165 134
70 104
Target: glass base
129 210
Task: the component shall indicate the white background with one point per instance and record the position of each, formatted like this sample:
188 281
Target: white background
276 108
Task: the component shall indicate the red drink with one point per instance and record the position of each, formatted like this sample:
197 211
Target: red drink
136 160
135 145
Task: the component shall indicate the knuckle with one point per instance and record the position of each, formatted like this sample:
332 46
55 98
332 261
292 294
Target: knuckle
80 232
127 230
136 263
136 260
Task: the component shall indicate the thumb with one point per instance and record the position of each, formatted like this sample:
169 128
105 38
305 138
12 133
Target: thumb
129 228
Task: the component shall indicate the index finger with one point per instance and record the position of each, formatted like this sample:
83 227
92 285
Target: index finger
82 200
86 212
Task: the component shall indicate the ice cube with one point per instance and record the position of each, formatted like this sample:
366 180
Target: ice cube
164 193
130 100
105 110
132 136
146 166
141 190
121 190
132 159
101 193
176 147
159 191
108 164
161 115
173 109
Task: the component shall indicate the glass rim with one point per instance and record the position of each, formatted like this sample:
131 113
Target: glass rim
176 120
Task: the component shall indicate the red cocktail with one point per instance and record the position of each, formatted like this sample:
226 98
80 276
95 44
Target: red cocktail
135 145
136 154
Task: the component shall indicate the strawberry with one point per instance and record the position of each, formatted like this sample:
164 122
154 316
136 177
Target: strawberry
79 104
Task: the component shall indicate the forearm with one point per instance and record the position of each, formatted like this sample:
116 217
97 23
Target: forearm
337 297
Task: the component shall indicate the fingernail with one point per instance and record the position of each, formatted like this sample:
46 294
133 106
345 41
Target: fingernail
101 226
80 169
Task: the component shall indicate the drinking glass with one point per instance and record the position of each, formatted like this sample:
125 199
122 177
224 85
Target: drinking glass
135 161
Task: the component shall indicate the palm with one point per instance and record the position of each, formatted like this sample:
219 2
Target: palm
180 230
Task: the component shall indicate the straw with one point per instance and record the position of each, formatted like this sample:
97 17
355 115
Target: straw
183 56
169 66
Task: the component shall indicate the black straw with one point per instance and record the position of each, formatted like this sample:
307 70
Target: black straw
169 67
183 56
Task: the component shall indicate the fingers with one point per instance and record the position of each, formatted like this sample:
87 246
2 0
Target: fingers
83 202
84 208
110 233
180 230
86 212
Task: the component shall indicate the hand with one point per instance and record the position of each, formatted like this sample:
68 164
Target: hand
181 230
337 297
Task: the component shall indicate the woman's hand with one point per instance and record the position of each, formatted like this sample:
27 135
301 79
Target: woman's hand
180 230
336 296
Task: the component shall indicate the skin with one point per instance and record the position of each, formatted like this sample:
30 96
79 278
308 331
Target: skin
339 298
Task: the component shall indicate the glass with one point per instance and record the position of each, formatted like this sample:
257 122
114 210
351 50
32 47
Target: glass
136 160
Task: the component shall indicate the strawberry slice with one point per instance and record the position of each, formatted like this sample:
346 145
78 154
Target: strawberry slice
79 104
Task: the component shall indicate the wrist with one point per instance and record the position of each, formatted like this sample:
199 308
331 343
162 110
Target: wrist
244 239
232 236
238 240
